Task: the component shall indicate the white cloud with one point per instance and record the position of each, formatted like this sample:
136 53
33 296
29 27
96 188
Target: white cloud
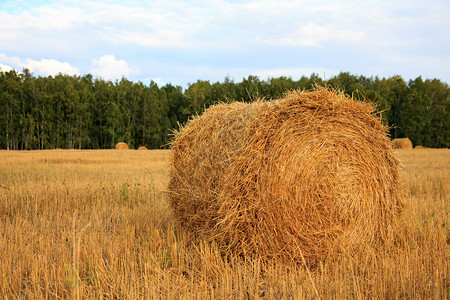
43 67
152 24
10 60
223 36
108 67
314 35
183 24
50 67
213 24
5 68
164 38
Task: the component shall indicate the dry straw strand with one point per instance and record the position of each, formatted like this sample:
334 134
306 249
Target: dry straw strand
313 170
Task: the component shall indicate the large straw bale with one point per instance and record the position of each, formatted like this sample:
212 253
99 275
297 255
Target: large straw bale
308 175
122 146
403 143
203 152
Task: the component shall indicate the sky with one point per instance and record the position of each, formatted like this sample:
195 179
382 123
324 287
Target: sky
182 41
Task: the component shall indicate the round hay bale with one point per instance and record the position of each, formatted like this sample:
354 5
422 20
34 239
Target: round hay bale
142 148
307 175
403 143
122 146
419 147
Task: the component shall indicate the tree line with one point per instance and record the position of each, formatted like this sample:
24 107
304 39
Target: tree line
82 112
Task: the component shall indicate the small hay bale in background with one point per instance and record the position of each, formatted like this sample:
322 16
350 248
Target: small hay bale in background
142 148
122 146
419 147
403 143
307 175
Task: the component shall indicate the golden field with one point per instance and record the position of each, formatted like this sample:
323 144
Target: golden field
96 224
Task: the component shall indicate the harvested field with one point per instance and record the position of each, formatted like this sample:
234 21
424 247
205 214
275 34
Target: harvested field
97 224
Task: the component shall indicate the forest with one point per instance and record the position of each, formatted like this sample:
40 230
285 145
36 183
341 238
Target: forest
82 112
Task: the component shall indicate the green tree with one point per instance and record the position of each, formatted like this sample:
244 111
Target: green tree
425 118
10 109
249 89
199 96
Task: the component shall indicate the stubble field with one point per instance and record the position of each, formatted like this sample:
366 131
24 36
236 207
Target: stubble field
96 224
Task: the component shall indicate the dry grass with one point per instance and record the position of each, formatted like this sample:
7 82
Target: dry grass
304 177
73 226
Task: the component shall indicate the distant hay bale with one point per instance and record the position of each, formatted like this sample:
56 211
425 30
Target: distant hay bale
403 143
311 174
419 147
122 146
142 148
